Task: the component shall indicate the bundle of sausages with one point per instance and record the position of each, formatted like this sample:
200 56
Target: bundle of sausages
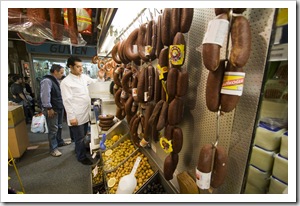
211 172
106 121
155 95
43 17
226 74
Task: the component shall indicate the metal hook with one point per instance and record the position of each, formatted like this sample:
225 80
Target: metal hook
150 13
218 128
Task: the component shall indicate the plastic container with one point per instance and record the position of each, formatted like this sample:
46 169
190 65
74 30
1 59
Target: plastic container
262 159
258 178
268 138
280 168
276 186
284 145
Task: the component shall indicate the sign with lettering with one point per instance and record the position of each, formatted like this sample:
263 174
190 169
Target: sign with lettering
61 49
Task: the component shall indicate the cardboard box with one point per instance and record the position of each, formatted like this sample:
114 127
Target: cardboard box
15 115
18 140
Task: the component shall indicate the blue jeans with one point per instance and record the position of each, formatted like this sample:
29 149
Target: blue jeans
55 126
79 132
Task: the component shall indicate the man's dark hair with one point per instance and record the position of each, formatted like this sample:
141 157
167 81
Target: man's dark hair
72 59
16 77
55 67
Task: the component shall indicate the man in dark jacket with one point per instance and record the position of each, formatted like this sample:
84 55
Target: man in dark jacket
53 108
18 96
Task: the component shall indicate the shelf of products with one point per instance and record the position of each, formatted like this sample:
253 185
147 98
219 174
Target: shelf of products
268 170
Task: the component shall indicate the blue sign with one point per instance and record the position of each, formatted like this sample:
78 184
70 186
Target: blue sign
60 49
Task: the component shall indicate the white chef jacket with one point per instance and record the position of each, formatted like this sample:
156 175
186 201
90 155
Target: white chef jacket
76 98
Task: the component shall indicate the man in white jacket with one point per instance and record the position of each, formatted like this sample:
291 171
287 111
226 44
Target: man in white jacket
77 103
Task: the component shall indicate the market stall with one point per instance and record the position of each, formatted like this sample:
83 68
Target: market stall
187 88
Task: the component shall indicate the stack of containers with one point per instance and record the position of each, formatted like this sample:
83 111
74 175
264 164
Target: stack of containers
266 146
279 178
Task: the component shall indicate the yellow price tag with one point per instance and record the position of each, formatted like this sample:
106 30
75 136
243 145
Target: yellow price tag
161 71
176 54
166 145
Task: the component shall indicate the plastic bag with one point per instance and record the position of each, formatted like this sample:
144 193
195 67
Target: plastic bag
39 124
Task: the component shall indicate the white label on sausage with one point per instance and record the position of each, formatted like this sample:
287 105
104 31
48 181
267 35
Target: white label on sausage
216 32
203 179
233 83
145 96
135 49
134 92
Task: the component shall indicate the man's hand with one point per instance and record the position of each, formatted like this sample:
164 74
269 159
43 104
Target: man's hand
74 122
51 113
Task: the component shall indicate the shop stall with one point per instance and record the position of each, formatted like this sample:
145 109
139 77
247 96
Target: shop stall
189 96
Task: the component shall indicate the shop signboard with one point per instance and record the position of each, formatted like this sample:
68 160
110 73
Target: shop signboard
61 49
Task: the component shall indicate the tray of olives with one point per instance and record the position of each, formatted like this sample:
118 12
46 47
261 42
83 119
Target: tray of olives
117 154
116 134
145 171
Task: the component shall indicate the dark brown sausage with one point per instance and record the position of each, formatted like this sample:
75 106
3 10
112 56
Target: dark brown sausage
153 41
101 124
157 87
141 85
135 137
155 134
72 24
205 159
156 112
229 102
118 99
174 23
148 39
162 119
177 140
175 111
241 41
125 82
116 76
128 106
122 53
170 165
131 123
159 44
186 19
211 52
131 39
163 62
56 23
141 44
147 126
168 133
182 83
219 11
106 117
213 87
150 80
114 53
220 167
15 16
38 16
165 31
171 83
120 113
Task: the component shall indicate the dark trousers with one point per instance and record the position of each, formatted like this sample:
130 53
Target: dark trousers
78 133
